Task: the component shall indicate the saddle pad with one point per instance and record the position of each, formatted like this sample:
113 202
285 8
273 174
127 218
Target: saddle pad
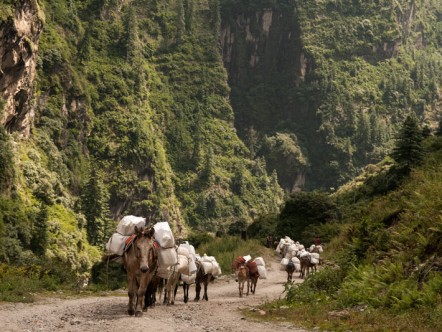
129 241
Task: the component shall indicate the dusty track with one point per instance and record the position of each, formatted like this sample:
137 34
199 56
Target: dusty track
220 313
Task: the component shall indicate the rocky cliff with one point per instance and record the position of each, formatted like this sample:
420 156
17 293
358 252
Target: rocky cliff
19 37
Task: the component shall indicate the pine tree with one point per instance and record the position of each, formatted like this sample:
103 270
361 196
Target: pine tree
439 129
189 13
215 17
408 151
180 21
39 240
94 201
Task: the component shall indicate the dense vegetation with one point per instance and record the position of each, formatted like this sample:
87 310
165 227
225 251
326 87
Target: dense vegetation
132 117
336 78
138 110
383 270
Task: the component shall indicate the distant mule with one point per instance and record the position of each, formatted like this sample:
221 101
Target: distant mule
253 275
290 268
202 278
243 278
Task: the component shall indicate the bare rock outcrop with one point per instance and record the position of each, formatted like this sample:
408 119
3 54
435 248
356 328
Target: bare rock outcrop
19 37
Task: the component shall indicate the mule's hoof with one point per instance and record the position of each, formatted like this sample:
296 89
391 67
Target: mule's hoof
131 312
145 309
138 314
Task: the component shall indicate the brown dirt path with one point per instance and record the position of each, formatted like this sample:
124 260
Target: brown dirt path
108 314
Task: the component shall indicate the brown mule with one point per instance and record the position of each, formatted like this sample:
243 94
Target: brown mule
243 277
140 261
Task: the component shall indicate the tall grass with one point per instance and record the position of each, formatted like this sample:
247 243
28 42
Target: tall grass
226 249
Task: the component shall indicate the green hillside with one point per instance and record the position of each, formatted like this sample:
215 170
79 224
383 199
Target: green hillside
383 270
206 113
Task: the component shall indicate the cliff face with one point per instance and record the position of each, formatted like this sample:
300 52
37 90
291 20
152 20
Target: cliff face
19 37
263 54
262 49
336 78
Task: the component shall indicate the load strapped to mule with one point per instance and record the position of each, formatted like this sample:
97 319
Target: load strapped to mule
125 230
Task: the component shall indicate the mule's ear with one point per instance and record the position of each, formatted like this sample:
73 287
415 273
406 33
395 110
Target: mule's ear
150 232
138 231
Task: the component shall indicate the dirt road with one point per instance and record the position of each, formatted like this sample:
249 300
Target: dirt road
108 314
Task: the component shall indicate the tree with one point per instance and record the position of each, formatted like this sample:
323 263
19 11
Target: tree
303 210
94 201
39 240
180 21
439 129
408 151
215 17
189 12
6 162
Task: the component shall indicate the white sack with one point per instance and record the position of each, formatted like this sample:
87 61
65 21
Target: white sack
188 279
262 272
216 269
167 257
115 245
207 266
126 226
260 261
314 258
183 264
209 259
164 235
297 262
183 250
247 258
163 272
192 266
283 264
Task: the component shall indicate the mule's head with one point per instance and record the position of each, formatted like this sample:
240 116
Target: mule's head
145 248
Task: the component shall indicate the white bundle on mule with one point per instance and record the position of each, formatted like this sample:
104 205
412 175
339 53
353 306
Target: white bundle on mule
260 261
247 258
126 226
314 258
183 264
216 269
283 264
163 235
297 262
116 244
188 279
188 250
262 272
167 256
210 265
163 271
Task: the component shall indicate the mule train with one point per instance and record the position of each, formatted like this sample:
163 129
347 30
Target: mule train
296 258
154 262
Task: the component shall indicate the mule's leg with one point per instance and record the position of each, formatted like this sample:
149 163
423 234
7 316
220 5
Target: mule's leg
197 291
131 293
165 299
144 282
186 292
248 286
176 290
206 282
240 285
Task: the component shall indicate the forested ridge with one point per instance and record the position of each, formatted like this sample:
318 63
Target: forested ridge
211 115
